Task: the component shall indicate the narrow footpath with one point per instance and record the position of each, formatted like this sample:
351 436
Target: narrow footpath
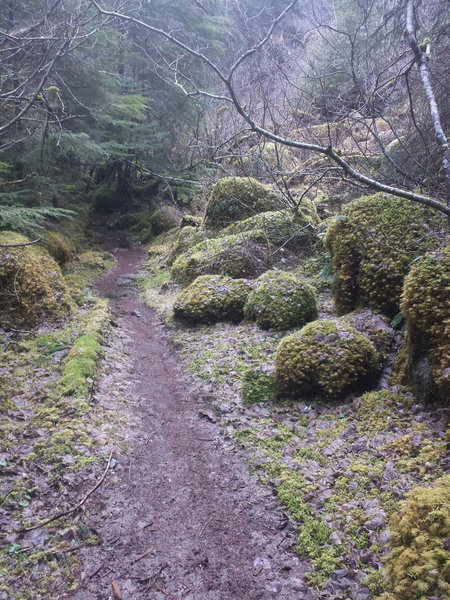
179 515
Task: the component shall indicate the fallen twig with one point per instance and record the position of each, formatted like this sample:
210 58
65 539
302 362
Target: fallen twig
77 506
141 556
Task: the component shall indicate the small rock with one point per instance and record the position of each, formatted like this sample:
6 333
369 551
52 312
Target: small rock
135 313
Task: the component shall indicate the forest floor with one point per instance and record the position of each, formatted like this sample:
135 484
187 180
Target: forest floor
203 497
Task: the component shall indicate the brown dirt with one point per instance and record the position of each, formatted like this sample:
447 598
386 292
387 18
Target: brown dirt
180 516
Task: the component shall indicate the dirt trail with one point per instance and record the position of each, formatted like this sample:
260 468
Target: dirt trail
180 516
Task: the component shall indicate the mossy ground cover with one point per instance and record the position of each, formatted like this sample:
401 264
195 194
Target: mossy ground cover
340 469
53 439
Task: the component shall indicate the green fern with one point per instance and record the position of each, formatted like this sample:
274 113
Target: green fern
29 220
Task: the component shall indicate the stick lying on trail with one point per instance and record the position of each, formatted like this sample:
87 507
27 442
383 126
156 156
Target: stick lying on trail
77 506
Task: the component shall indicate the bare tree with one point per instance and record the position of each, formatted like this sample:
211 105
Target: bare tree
266 119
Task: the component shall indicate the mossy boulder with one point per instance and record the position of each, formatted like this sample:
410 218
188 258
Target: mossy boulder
238 256
191 221
236 198
325 358
188 237
281 300
372 244
374 326
59 247
280 228
32 288
212 298
426 306
165 218
418 567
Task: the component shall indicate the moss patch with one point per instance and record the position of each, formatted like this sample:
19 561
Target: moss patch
257 387
418 566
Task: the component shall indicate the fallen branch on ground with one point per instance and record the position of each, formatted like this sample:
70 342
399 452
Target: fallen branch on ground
79 505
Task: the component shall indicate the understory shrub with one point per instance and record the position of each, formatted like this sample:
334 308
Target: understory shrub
32 288
236 198
325 358
281 300
212 298
372 245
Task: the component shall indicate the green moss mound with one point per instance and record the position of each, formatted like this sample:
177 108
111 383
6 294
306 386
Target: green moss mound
59 247
32 288
281 301
375 409
418 567
212 298
257 387
372 245
238 256
325 358
426 306
236 198
165 218
280 228
81 362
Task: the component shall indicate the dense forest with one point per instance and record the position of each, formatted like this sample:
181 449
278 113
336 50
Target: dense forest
266 184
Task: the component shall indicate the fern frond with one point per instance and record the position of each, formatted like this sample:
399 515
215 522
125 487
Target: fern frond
29 220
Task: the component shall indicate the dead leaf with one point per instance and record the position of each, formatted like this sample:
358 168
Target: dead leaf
117 592
206 414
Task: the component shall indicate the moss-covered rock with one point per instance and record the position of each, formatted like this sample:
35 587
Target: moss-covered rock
59 247
280 228
281 300
188 237
212 298
191 221
375 326
426 306
418 567
165 218
236 198
372 245
238 256
32 288
325 358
